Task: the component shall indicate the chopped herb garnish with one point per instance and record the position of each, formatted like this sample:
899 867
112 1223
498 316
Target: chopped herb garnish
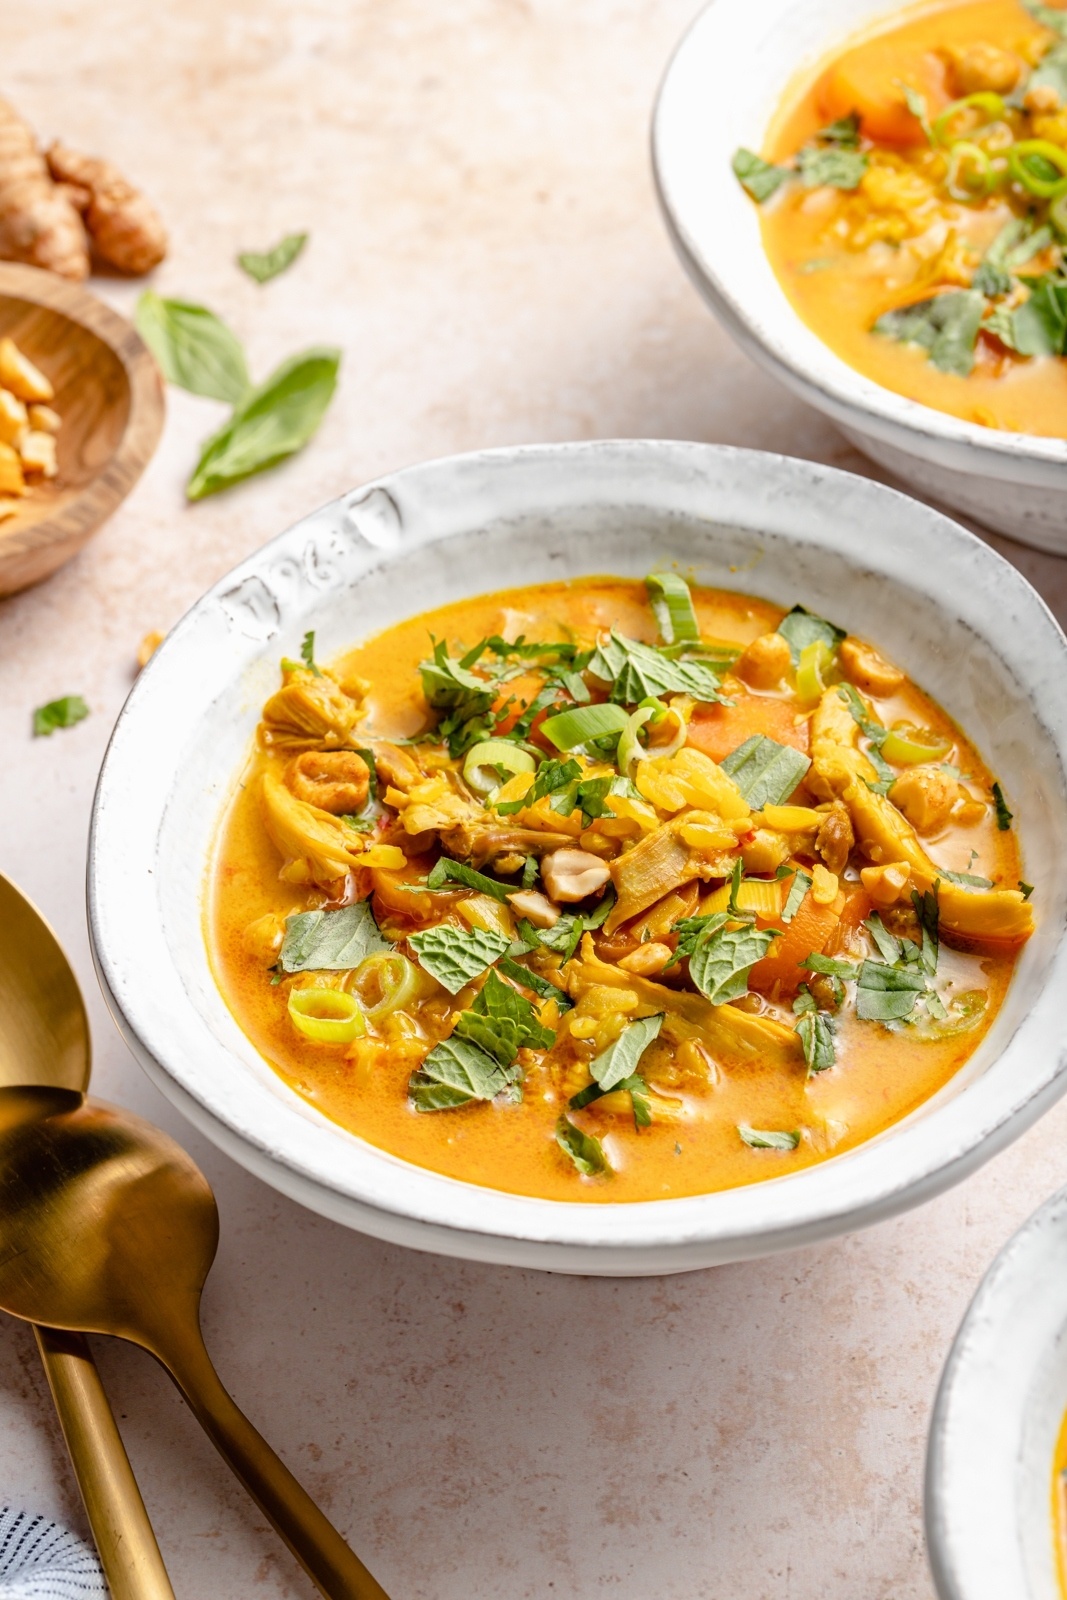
533 980
886 993
886 943
832 165
445 871
816 1032
620 1059
477 1060
829 966
307 653
1025 889
721 961
969 880
795 898
1004 816
62 713
330 941
765 772
876 736
672 605
586 1152
455 958
801 627
945 326
757 176
766 1139
552 775
638 671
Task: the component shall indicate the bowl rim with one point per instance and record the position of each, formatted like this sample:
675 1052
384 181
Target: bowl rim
787 350
455 1217
978 1446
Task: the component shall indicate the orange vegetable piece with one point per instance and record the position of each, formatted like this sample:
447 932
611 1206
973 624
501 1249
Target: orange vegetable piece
717 730
811 929
868 80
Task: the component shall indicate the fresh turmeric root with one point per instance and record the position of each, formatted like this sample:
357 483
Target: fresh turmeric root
124 227
38 224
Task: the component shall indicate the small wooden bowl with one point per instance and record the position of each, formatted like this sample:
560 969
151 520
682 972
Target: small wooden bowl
110 396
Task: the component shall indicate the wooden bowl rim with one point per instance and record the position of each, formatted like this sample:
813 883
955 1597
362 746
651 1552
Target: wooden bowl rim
78 517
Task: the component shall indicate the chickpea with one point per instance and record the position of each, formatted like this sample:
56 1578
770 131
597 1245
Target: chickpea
926 795
869 671
764 662
982 66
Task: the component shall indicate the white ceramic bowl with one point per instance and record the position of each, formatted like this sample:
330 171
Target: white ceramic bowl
996 1421
964 622
721 90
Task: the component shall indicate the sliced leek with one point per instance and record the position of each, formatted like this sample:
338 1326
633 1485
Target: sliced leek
384 983
907 745
487 760
329 1016
572 728
672 603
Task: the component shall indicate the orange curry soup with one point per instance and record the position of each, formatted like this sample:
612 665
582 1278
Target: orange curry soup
914 208
1059 1507
609 890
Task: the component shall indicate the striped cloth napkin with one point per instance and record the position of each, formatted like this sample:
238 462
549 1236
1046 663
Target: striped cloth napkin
39 1560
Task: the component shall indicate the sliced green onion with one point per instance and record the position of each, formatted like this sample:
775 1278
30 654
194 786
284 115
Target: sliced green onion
990 103
572 728
1040 166
388 974
669 597
478 768
816 659
631 750
329 1016
970 171
907 745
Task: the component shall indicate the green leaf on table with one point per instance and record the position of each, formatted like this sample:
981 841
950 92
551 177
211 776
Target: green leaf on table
270 263
672 604
945 326
62 713
620 1059
271 423
586 1152
456 958
834 166
816 1032
766 1139
721 962
758 177
801 627
765 772
885 993
330 941
194 348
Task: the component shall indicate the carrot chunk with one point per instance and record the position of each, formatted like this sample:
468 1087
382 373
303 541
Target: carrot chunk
717 730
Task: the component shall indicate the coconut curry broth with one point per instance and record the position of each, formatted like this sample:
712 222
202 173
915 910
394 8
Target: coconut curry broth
962 222
645 916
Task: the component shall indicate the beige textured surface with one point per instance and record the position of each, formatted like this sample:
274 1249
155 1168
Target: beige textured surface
485 247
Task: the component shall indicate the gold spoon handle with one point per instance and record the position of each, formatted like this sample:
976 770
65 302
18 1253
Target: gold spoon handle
128 1550
334 1569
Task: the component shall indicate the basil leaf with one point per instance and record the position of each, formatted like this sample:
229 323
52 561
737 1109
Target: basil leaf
620 1059
456 958
447 871
765 772
816 1031
887 945
969 880
916 104
1017 242
945 326
534 981
800 627
639 671
691 930
63 713
564 934
1004 816
926 909
764 1139
834 167
797 890
330 941
194 348
844 132
875 734
722 961
672 605
552 776
885 994
829 966
263 267
635 1086
271 423
586 1152
499 1003
758 177
455 1072
1039 326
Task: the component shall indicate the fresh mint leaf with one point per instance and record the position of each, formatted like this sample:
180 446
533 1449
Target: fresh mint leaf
766 1139
1017 243
885 994
721 962
797 890
330 941
926 909
801 627
263 267
271 422
586 1152
845 132
639 671
455 1072
620 1059
455 958
62 713
816 1032
552 777
1004 816
886 943
968 880
446 871
307 653
765 772
945 326
563 936
834 166
498 1002
533 980
194 348
829 966
876 736
635 1086
672 605
1038 327
758 177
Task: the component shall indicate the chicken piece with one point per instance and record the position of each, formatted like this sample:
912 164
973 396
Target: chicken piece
124 227
317 846
334 780
835 838
573 875
835 760
998 916
309 709
731 1035
38 224
765 662
479 844
926 795
869 671
395 767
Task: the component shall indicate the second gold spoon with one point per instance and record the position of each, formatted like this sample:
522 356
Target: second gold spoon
107 1226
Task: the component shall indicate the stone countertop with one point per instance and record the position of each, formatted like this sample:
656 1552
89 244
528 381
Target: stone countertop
486 249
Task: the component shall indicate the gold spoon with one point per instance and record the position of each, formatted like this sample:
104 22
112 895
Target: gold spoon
107 1226
44 1068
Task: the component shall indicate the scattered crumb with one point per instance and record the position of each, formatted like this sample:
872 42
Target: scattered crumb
148 646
